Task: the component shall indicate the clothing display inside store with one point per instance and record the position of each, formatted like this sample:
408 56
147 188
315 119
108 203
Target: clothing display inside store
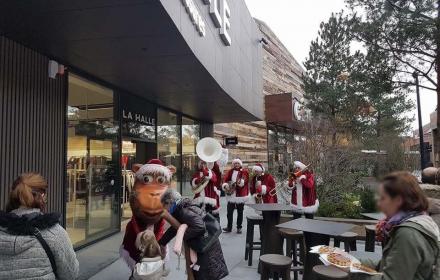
92 153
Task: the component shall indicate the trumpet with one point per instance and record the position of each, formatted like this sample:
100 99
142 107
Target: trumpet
297 174
258 198
273 192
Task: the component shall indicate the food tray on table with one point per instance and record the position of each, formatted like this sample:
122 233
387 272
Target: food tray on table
341 259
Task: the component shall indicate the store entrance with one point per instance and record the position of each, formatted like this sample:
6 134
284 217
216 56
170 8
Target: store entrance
133 152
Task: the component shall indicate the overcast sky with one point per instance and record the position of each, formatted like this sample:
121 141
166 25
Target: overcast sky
296 23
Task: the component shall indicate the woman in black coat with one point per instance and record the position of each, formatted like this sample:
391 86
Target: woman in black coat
212 263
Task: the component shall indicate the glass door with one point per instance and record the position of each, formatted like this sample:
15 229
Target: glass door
93 161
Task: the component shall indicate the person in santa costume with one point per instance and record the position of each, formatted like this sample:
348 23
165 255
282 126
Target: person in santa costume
150 178
304 198
262 184
236 200
207 197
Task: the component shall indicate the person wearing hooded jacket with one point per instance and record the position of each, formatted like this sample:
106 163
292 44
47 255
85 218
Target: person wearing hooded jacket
21 254
210 264
410 236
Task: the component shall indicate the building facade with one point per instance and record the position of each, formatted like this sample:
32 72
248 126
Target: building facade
281 74
88 88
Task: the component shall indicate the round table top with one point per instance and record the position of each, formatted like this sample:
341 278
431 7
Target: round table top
371 227
331 272
254 217
349 234
290 232
276 260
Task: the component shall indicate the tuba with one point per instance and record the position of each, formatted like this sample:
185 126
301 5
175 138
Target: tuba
209 150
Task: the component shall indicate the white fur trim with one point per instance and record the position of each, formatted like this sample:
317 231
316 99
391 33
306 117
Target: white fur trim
154 169
237 160
241 183
193 183
299 165
302 177
209 174
237 199
225 186
257 168
205 200
126 257
219 193
307 210
263 189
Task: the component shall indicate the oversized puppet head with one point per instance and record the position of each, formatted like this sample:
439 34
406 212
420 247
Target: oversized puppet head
152 180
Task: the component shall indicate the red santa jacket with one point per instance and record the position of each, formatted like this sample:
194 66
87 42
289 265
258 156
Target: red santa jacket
128 250
241 177
304 198
218 184
208 196
263 185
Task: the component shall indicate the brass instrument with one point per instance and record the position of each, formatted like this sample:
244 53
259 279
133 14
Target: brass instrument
209 150
232 186
201 186
258 198
292 176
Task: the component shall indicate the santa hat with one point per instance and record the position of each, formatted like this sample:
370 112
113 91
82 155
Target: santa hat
300 165
237 160
156 167
258 167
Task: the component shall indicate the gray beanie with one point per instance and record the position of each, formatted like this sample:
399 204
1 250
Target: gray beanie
170 196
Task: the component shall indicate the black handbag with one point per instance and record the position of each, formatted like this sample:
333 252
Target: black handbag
213 231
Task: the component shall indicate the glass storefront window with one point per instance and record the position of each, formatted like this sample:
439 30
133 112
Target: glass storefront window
190 137
168 142
92 161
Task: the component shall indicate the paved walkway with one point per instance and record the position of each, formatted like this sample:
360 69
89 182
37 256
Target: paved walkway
232 244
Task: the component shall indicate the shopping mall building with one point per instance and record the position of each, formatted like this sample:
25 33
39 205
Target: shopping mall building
89 87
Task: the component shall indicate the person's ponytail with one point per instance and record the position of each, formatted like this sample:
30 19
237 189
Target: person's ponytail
22 194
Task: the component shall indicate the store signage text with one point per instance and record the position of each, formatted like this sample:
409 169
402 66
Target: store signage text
136 117
195 16
220 14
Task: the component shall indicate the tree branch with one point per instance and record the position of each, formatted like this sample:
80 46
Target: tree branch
413 12
413 84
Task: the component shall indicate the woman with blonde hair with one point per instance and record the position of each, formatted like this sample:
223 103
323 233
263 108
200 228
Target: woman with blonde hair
34 245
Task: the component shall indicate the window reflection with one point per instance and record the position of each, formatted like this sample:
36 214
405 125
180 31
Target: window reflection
92 153
168 142
190 137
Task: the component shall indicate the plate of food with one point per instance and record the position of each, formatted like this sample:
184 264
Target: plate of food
324 249
339 259
360 268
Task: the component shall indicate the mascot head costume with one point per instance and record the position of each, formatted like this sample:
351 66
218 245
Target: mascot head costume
152 180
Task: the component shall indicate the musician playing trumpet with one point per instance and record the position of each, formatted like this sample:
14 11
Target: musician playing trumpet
263 185
205 192
304 198
236 187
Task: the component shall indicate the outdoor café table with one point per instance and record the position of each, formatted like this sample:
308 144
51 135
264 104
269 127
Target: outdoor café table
316 232
374 216
271 239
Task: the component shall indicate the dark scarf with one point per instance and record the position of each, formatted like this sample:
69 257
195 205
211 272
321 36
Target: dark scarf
24 225
386 226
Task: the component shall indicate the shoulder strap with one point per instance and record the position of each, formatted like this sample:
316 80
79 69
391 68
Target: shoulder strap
36 232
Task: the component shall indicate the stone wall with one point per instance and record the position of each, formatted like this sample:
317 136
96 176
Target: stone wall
281 74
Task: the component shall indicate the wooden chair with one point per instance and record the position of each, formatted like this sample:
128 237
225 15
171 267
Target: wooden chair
294 240
252 245
349 240
278 265
323 272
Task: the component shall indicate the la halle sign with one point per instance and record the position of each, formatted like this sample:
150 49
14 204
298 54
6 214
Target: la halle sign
220 15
